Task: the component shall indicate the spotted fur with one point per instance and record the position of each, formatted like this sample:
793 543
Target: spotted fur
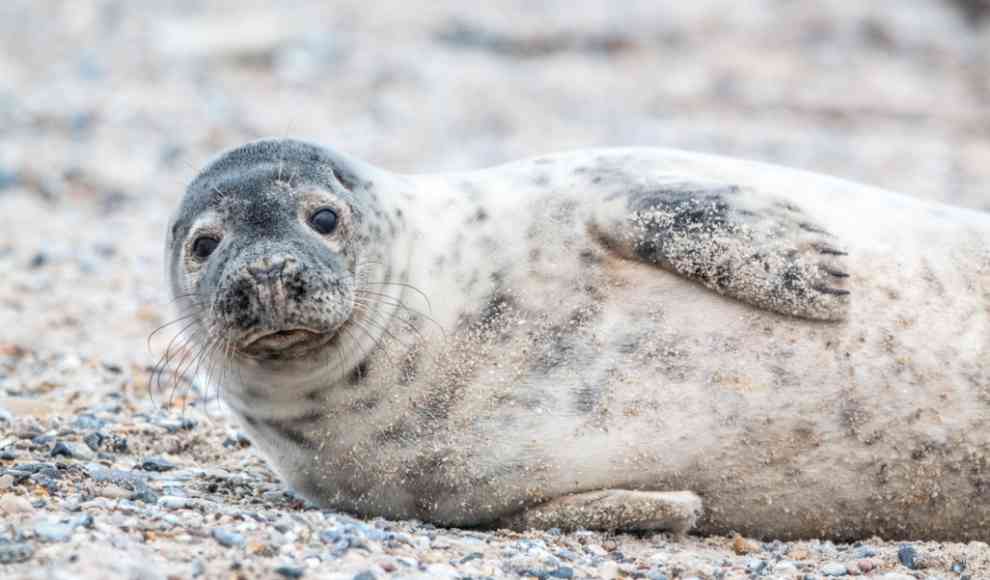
510 346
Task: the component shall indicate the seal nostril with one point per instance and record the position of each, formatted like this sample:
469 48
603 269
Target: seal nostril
267 268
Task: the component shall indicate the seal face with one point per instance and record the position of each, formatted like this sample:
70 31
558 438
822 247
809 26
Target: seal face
604 339
265 249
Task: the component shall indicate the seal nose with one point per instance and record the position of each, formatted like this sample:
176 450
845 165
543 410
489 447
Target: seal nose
269 267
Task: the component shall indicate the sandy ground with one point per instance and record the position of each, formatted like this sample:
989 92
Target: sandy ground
107 107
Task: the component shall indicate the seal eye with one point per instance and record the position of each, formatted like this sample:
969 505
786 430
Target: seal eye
204 246
324 221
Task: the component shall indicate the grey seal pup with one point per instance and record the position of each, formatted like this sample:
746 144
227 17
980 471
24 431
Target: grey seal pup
627 339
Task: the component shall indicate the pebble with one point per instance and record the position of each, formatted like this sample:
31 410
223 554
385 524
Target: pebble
14 504
227 538
834 569
53 532
289 571
908 556
15 552
6 481
742 546
157 464
63 449
93 440
366 575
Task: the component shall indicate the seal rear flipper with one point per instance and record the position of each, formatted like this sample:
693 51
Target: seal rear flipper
614 510
749 245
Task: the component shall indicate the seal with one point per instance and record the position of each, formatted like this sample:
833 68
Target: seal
627 339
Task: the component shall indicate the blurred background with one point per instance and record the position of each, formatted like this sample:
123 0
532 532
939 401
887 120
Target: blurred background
108 107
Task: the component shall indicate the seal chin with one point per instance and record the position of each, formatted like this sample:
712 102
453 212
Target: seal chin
284 343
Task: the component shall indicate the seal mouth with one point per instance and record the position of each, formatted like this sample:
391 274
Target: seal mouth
285 342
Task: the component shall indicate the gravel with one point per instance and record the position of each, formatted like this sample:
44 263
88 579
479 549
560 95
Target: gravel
110 470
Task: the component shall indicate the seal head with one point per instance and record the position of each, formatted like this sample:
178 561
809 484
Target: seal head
264 250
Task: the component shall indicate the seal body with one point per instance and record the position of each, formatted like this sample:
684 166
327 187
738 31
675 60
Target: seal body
806 355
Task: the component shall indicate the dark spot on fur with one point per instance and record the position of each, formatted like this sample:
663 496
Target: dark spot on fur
365 404
287 429
479 216
358 373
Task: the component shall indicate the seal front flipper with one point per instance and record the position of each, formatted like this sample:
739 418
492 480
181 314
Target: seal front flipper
755 247
613 509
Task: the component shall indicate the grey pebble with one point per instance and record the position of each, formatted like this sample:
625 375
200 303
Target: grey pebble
53 532
42 440
908 556
834 569
290 571
158 464
93 440
226 538
15 552
366 575
8 453
88 422
865 552
63 449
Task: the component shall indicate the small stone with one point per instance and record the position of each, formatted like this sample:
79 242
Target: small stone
785 568
908 556
62 449
366 575
834 569
8 453
42 440
88 423
228 539
146 495
93 440
741 545
158 464
866 565
6 482
15 552
173 502
289 571
53 532
865 552
14 504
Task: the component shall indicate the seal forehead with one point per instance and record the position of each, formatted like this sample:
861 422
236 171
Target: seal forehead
254 181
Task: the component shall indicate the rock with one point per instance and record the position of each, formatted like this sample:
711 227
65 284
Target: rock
227 538
289 571
63 449
366 575
908 556
834 569
173 502
53 532
742 546
6 482
15 552
157 464
93 440
14 504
